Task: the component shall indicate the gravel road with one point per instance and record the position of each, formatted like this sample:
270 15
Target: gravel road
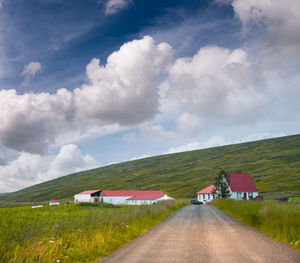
202 234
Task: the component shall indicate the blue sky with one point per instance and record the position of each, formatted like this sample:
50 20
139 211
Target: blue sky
88 83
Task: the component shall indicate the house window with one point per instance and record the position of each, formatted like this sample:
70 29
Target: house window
238 194
208 196
250 194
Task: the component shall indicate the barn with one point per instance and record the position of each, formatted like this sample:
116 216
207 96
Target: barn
241 187
90 196
133 197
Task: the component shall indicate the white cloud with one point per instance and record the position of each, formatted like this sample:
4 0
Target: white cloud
29 169
30 71
157 132
30 122
115 6
216 84
119 94
124 91
275 25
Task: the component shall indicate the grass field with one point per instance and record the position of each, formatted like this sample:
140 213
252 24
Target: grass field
278 220
274 165
74 233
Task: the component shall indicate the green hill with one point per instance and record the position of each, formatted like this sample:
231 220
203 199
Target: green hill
274 165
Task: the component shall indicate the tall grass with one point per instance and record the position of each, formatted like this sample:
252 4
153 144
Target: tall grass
74 233
280 221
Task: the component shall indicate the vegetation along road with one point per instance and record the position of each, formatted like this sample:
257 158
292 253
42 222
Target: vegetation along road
203 234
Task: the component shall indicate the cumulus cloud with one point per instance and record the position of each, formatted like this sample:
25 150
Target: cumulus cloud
30 169
30 71
216 84
123 92
115 6
274 24
31 121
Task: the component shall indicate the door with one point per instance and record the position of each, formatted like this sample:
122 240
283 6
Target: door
245 196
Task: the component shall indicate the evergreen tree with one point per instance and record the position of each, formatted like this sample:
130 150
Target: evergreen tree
221 184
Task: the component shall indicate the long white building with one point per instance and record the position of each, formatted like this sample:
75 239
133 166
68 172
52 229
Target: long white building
133 197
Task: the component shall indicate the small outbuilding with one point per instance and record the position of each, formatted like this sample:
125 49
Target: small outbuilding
54 202
133 197
90 196
206 195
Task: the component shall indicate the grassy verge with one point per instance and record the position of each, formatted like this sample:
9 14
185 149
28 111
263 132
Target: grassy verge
280 221
74 233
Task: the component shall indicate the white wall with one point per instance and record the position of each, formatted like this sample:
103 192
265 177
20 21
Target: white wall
82 198
116 200
122 200
205 197
240 195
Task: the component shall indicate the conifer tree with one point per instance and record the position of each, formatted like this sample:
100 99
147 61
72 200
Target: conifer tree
222 181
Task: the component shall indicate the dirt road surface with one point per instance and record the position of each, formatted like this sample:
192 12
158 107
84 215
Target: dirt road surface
203 234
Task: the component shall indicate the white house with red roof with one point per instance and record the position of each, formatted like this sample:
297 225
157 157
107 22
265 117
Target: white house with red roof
206 195
90 196
133 197
54 202
241 187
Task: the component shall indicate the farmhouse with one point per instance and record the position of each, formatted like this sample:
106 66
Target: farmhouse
241 187
90 196
54 202
206 195
133 197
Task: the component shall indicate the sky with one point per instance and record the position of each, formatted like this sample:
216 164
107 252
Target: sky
85 84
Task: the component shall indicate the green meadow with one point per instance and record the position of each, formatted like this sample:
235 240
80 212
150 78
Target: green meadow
280 221
274 165
74 232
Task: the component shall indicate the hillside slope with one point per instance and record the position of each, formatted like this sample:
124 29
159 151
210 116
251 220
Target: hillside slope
274 165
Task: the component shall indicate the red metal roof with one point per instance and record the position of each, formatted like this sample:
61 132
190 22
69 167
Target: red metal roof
135 194
241 183
88 192
207 190
54 201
